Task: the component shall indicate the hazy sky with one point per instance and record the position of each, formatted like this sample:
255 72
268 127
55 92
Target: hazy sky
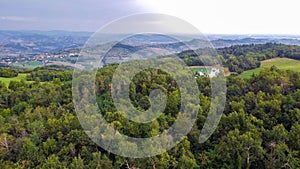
209 16
82 15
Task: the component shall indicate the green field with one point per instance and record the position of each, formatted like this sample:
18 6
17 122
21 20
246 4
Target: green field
28 65
280 63
18 78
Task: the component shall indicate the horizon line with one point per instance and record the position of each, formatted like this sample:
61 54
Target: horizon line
210 33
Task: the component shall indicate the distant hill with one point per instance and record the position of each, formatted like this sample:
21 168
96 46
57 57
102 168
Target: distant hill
36 42
64 46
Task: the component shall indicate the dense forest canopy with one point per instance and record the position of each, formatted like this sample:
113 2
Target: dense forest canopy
56 72
260 126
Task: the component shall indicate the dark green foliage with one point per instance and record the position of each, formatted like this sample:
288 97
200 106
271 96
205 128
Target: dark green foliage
43 74
6 72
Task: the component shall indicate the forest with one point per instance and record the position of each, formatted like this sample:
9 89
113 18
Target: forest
259 128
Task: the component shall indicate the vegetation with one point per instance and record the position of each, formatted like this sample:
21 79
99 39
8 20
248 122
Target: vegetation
20 77
5 72
280 63
241 58
259 128
43 74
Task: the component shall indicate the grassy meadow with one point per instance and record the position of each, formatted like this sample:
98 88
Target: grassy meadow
280 63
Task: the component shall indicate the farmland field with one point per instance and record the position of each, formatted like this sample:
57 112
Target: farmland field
280 63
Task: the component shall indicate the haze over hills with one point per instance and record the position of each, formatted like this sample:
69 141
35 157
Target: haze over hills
64 46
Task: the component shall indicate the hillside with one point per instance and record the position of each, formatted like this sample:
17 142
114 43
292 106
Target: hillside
39 127
280 63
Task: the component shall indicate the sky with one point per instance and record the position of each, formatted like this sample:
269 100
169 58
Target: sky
209 16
